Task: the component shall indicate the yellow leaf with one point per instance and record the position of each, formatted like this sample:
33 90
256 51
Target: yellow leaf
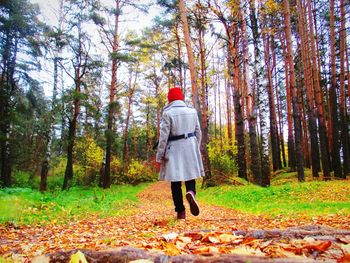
185 239
346 248
226 238
246 250
171 249
78 257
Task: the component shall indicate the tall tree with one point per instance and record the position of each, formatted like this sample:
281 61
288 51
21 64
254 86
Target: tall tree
322 129
56 44
263 167
195 95
309 87
343 112
76 70
267 42
19 29
335 147
293 88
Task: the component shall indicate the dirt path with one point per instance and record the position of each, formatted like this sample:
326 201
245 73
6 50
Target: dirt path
152 226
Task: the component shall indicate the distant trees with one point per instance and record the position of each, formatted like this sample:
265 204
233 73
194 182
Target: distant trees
19 30
269 80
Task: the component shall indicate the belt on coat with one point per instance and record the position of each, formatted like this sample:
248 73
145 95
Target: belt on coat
182 136
177 137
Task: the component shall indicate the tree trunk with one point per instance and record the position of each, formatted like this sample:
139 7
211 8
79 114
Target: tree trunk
291 151
336 164
343 111
276 158
195 96
309 86
109 132
179 57
126 157
68 175
49 132
229 106
322 129
6 162
296 112
255 165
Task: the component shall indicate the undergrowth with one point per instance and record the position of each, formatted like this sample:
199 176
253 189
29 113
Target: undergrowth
285 196
27 206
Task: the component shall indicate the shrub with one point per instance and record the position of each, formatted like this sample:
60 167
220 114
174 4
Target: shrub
139 172
221 158
23 179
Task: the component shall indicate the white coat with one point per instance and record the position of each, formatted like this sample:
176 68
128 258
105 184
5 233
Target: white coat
180 159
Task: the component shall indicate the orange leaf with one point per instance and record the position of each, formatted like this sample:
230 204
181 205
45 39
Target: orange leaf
248 240
321 247
201 250
344 259
194 235
211 238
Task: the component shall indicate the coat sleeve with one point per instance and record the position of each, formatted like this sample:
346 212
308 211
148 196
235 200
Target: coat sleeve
198 131
165 126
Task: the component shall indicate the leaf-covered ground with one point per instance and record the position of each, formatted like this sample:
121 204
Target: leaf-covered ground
217 230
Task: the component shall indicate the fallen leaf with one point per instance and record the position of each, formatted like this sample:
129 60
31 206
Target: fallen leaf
185 239
321 247
246 250
194 235
248 240
78 257
211 238
226 238
345 248
344 259
169 237
171 249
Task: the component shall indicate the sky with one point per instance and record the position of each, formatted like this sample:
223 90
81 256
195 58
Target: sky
49 9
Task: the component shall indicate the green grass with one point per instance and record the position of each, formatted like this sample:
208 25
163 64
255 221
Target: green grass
289 198
27 206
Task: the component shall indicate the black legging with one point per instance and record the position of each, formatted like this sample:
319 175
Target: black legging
177 193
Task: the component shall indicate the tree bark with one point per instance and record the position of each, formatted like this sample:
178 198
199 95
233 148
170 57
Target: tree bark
336 164
291 150
322 129
106 179
309 87
293 87
343 111
276 158
263 166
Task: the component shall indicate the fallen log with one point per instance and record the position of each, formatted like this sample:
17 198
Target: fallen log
130 254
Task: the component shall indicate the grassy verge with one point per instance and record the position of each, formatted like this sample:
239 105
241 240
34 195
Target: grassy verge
290 198
27 206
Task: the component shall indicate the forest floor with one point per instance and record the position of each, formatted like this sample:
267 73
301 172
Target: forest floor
216 231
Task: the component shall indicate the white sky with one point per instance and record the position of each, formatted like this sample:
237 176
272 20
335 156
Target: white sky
49 10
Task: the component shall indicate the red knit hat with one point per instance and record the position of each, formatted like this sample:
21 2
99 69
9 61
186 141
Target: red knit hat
175 94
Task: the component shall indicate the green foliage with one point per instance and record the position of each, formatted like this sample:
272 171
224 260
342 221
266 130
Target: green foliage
26 206
23 179
89 158
139 172
288 199
221 158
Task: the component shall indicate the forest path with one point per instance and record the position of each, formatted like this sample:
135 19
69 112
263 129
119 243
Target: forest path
151 225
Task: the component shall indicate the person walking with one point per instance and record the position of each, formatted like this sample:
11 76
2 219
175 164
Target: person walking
178 152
